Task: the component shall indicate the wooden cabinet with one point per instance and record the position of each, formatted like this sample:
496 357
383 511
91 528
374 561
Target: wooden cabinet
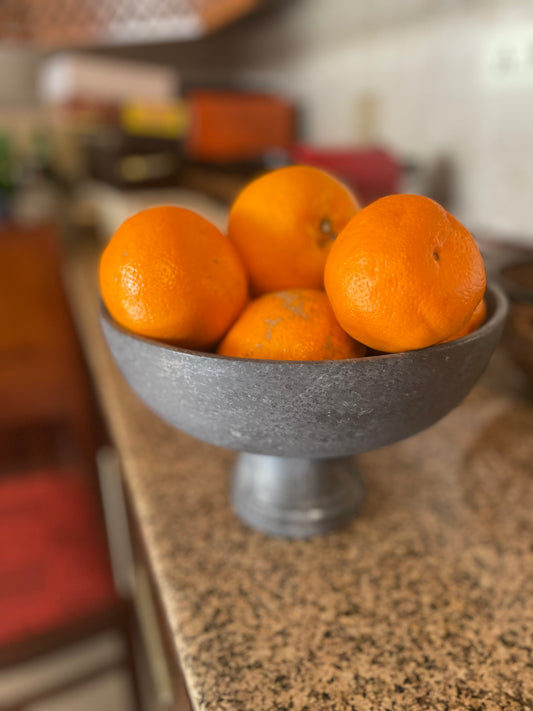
161 679
62 23
44 384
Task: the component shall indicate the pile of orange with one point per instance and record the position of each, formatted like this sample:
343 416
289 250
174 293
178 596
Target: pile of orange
303 273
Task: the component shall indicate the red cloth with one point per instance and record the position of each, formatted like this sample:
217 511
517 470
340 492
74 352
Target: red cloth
54 565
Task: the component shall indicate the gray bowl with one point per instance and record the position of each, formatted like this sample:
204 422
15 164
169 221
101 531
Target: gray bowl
299 421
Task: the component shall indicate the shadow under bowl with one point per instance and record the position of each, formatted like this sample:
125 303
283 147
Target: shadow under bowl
296 413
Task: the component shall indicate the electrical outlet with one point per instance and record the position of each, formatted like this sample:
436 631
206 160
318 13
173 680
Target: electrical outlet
508 60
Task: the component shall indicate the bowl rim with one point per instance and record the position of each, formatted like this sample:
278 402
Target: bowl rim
499 314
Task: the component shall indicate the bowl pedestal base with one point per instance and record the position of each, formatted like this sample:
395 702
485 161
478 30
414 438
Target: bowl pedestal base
294 497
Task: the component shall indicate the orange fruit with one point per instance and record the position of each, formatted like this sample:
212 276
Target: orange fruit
284 223
297 324
171 275
477 318
404 274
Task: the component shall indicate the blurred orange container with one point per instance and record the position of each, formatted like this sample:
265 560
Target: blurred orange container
228 126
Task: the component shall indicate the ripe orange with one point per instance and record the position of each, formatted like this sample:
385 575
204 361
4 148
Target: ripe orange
297 324
169 274
404 274
284 224
477 318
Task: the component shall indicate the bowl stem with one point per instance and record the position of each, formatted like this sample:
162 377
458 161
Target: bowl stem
295 497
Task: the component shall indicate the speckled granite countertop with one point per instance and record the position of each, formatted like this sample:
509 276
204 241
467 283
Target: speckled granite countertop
424 602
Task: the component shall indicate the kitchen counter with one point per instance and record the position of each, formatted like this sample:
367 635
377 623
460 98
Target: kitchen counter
425 601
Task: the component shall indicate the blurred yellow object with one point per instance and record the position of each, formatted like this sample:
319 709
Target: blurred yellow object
157 120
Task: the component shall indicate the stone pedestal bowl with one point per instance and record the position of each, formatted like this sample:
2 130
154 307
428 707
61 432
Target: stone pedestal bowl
297 424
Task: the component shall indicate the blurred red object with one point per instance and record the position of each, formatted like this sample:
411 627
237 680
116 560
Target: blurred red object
370 172
232 126
54 566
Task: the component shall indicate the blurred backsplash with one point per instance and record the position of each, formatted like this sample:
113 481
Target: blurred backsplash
436 91
431 81
444 89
